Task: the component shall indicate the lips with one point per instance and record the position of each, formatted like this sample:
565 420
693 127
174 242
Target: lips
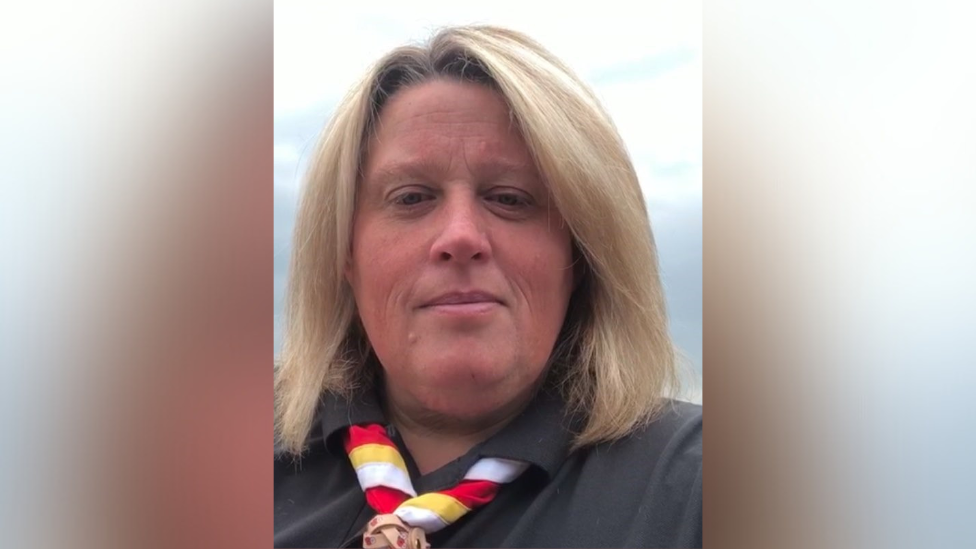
463 298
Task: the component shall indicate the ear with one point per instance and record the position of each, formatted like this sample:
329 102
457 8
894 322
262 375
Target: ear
349 263
348 269
579 267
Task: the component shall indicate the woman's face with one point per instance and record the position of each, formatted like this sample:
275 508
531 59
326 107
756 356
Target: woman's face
460 267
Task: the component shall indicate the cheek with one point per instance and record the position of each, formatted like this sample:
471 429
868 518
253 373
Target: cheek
379 275
547 279
558 264
547 289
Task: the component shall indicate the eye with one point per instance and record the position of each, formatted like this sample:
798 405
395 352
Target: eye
510 199
411 198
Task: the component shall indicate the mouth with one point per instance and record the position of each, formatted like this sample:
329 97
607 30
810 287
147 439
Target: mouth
464 303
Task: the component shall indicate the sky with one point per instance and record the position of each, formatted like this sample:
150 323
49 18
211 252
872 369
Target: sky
644 63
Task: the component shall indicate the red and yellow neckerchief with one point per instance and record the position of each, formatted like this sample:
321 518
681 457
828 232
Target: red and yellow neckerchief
405 517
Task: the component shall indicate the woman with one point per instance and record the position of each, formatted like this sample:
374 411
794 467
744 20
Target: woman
477 350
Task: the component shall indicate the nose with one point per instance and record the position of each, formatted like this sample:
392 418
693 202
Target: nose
463 237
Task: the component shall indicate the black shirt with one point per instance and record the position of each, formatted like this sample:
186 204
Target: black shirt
642 491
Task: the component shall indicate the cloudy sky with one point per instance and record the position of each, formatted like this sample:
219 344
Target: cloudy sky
644 63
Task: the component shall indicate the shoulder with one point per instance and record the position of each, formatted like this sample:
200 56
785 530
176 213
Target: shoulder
676 432
655 473
290 463
671 443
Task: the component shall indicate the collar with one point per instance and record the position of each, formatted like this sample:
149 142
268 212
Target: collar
541 435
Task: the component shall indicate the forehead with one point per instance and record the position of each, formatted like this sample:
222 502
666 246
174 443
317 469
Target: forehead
441 125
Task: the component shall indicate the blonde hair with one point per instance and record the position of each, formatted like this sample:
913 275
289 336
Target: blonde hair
613 361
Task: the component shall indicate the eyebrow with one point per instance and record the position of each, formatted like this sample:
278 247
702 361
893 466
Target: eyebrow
424 168
392 171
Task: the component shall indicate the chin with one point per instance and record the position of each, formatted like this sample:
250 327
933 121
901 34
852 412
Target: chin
467 407
464 381
474 385
467 372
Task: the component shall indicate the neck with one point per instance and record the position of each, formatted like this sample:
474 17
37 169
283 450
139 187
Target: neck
434 440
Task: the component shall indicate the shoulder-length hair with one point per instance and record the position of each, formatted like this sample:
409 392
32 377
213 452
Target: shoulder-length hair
613 361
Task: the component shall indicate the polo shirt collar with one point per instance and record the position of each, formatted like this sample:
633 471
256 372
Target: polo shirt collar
541 435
